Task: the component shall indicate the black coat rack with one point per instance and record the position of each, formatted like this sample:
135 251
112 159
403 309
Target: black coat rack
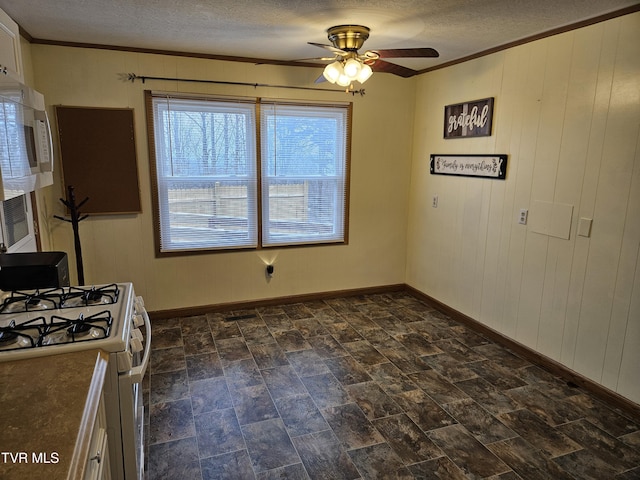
76 217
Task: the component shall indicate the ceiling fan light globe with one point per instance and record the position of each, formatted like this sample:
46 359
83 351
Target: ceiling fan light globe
333 71
364 74
343 80
352 68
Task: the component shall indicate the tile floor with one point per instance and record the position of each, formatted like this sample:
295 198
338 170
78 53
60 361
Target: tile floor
366 387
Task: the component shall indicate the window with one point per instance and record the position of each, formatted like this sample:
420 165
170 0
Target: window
218 187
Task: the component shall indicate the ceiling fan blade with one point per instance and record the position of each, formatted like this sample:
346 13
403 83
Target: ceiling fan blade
320 79
315 59
331 48
407 53
388 67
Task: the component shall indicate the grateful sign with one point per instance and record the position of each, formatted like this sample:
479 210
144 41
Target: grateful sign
469 119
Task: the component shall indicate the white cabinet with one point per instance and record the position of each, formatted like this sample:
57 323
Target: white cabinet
98 462
10 54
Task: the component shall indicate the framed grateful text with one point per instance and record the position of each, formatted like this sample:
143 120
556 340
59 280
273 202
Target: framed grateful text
469 119
486 166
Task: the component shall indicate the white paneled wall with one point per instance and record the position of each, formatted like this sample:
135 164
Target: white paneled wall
567 112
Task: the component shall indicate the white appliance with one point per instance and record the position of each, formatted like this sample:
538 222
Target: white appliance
26 147
108 317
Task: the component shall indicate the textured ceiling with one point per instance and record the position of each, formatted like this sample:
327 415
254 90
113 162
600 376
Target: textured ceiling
280 29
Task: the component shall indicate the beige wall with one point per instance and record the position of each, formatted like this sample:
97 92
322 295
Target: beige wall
120 248
567 112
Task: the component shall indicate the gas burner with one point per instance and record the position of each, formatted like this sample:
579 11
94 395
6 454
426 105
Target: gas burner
7 337
19 302
66 330
23 335
91 296
79 329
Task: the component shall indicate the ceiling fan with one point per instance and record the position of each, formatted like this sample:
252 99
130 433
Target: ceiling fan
349 65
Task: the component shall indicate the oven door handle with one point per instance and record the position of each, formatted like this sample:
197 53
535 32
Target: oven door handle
137 373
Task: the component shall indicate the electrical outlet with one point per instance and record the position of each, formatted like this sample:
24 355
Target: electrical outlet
434 201
524 214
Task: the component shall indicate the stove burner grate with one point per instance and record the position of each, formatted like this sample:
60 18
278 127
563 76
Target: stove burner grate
27 334
90 296
65 330
18 301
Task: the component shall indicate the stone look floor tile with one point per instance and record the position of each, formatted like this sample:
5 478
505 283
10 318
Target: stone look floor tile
199 343
218 432
177 459
169 337
441 390
470 455
426 413
268 355
171 421
209 394
488 396
527 461
229 466
538 433
205 365
391 379
193 325
482 425
379 462
283 382
326 390
169 386
167 360
343 332
323 456
347 370
366 387
254 404
407 440
437 469
585 466
372 400
300 415
351 426
601 444
269 446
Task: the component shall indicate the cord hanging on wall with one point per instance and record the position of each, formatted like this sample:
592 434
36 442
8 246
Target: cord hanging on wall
76 217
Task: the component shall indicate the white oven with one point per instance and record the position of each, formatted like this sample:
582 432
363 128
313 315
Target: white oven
108 317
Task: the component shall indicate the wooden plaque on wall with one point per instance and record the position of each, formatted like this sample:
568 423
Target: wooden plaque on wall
98 152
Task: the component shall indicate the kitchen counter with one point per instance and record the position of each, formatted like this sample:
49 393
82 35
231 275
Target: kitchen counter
48 407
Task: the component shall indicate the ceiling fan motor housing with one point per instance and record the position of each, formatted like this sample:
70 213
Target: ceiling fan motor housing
348 37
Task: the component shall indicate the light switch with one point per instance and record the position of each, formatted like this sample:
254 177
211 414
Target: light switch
584 227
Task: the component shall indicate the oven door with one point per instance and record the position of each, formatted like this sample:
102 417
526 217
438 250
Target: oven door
17 232
132 408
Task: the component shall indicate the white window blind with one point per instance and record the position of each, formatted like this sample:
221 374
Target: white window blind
206 173
304 168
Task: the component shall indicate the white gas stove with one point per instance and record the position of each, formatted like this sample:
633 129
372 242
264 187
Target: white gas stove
51 321
108 317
